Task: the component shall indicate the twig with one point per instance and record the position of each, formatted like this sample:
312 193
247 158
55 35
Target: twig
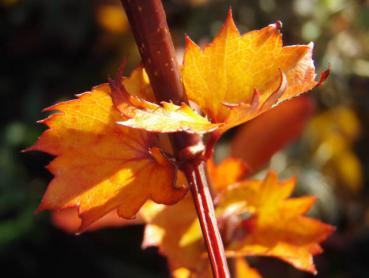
149 26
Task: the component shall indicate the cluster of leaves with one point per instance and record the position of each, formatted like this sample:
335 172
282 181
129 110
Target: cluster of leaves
112 153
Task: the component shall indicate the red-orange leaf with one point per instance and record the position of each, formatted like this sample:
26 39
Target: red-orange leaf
259 139
101 166
237 77
276 225
68 220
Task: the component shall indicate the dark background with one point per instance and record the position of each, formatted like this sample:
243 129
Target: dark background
50 50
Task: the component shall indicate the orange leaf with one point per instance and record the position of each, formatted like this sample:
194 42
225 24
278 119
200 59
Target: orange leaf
226 173
259 139
256 218
232 80
101 166
176 231
276 225
237 77
166 118
143 113
68 220
243 270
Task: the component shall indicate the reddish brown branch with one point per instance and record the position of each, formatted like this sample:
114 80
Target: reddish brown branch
205 210
149 26
148 22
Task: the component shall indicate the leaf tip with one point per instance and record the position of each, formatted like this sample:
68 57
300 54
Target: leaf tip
189 43
323 76
41 207
229 24
230 14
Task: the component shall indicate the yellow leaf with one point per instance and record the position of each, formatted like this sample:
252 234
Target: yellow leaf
332 135
176 232
142 113
276 225
166 118
243 270
101 166
349 170
256 218
237 77
111 18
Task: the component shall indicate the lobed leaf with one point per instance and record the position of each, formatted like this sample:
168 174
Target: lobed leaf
133 99
226 173
237 77
99 165
176 231
244 270
69 221
276 225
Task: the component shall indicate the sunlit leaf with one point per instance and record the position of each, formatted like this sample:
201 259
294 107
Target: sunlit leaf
232 80
226 173
69 221
145 114
237 77
243 269
275 224
176 232
99 165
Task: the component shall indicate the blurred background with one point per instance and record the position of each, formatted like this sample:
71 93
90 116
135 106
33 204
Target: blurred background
50 50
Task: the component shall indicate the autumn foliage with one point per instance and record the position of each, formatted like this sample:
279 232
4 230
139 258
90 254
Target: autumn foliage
113 159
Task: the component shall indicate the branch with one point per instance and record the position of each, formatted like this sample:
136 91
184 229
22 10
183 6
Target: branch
148 22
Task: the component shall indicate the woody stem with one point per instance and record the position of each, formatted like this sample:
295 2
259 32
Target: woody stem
148 23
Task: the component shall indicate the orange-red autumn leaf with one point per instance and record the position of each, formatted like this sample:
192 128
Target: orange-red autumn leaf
134 99
237 77
68 220
99 165
276 225
259 139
